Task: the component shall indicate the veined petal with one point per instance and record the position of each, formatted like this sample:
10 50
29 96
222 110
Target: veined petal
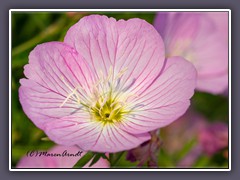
165 100
56 73
114 139
210 57
177 29
133 45
94 136
201 38
107 86
69 131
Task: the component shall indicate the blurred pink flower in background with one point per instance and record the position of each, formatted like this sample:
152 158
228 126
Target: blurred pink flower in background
106 86
220 20
42 161
201 38
214 138
182 131
206 138
211 140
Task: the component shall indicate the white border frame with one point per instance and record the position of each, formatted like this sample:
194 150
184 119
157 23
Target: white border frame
118 10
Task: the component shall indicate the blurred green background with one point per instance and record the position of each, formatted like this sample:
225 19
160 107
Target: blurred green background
32 28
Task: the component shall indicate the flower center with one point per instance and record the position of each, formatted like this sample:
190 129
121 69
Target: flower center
107 111
106 101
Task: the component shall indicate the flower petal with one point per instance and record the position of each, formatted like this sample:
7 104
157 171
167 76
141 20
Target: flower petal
177 30
165 100
94 136
200 38
133 45
114 139
69 131
214 83
53 72
211 62
221 22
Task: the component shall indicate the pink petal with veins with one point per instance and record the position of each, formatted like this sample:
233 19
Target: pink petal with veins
201 38
68 85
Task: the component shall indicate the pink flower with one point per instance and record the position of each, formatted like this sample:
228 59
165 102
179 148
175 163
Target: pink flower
182 131
106 86
214 138
60 159
201 38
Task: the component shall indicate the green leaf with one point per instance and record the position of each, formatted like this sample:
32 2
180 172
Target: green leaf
84 160
95 159
186 148
103 155
165 160
203 161
214 107
110 157
120 161
117 158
